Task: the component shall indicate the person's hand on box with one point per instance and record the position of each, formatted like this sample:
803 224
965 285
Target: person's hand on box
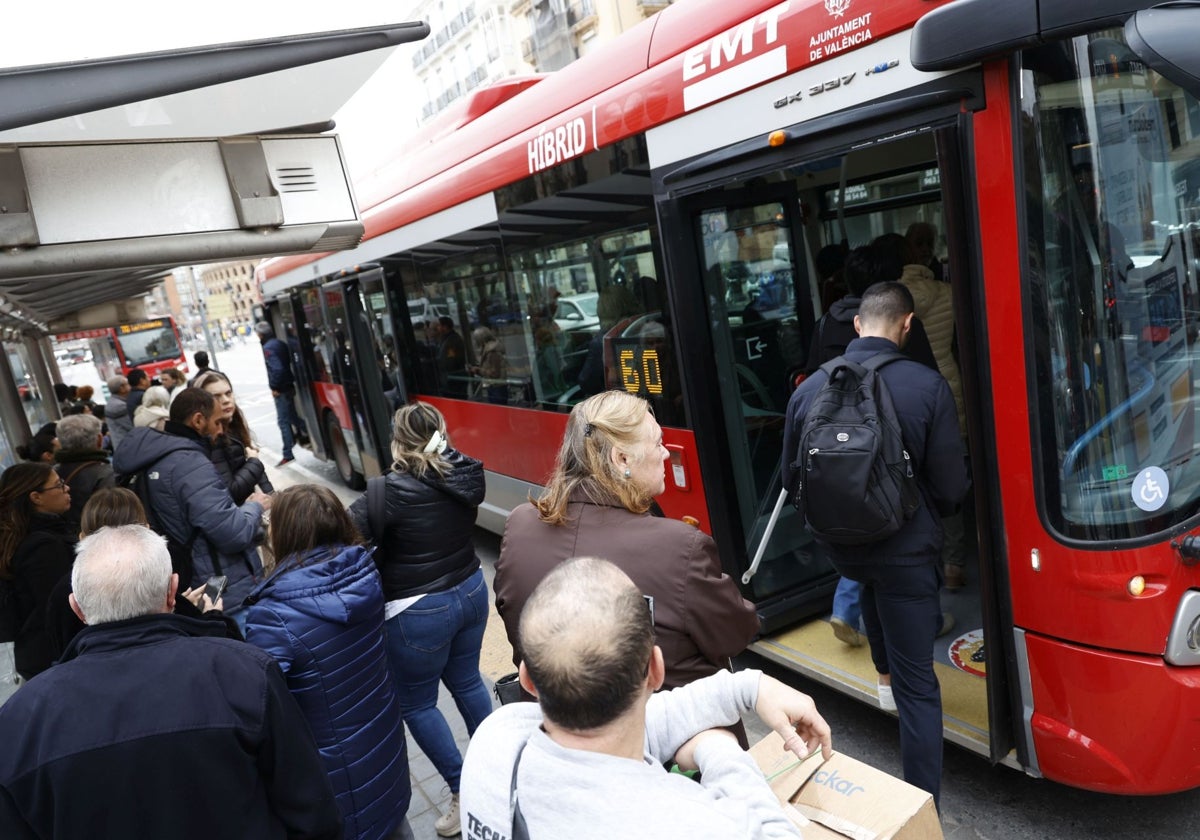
794 716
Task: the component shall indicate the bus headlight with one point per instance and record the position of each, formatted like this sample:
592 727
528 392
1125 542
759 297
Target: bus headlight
1183 643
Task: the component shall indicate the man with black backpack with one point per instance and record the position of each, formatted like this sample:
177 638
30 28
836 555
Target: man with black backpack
187 502
873 457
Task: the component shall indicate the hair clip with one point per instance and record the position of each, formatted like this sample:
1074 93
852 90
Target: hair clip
588 428
437 443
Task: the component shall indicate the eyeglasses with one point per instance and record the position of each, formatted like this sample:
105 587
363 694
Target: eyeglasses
59 485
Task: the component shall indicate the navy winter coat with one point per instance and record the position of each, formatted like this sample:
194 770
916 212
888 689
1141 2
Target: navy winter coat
158 726
189 497
279 365
429 522
929 423
322 621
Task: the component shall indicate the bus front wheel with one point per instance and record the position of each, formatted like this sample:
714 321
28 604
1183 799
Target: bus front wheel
341 454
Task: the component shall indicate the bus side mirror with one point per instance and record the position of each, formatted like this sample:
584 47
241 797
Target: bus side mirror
1165 38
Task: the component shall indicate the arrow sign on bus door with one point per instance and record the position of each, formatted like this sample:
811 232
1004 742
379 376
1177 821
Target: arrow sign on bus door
754 347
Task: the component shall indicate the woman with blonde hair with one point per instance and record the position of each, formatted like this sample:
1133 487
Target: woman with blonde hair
319 614
155 408
597 503
437 599
36 549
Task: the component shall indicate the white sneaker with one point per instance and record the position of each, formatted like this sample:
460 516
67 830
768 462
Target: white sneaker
449 824
886 701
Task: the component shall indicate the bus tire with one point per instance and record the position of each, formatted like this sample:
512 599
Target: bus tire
340 454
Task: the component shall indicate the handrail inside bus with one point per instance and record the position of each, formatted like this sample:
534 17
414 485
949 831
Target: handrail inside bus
1095 431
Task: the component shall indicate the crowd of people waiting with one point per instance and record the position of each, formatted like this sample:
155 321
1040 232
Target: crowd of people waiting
263 650
279 642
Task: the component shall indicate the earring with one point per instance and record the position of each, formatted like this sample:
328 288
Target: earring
627 472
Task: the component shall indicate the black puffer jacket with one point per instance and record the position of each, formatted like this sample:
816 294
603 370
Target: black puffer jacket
427 543
240 474
40 561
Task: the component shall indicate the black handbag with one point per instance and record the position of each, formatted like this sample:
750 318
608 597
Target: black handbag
508 689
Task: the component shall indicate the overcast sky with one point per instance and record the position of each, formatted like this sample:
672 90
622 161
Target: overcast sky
71 30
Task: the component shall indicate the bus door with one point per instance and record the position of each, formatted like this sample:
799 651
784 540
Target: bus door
751 250
350 372
765 234
381 384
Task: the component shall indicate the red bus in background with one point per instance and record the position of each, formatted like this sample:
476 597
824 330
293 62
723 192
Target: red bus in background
152 345
650 218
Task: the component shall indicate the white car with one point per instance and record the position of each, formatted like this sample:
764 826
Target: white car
575 312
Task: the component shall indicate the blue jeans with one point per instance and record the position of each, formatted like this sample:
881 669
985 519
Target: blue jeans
286 416
438 639
902 615
846 602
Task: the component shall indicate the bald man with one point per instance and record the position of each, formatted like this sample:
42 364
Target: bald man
587 760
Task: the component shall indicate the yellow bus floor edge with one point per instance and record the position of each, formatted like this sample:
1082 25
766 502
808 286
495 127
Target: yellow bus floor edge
813 650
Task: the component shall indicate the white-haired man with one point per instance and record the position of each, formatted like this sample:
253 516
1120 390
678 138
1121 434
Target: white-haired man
82 461
588 759
155 725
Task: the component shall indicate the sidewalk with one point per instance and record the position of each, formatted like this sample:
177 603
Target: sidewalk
430 796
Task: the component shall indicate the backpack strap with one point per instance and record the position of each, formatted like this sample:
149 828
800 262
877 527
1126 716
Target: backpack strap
377 508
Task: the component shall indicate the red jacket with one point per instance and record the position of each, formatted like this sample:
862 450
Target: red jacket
700 617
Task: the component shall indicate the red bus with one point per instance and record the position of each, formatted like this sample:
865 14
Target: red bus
152 345
680 183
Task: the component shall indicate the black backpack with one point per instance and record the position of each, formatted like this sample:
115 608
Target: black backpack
855 480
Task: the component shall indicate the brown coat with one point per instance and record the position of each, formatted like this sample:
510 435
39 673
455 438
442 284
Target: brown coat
700 617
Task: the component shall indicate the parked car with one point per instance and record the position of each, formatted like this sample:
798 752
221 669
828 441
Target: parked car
575 312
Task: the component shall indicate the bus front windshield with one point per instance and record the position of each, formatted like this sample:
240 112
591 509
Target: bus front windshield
146 346
1112 202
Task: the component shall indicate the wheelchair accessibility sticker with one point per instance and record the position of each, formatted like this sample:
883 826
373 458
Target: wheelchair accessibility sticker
1150 489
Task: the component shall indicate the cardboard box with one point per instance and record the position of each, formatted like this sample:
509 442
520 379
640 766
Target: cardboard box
844 798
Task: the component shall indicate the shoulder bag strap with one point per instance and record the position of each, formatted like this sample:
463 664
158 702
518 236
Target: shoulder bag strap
520 831
79 469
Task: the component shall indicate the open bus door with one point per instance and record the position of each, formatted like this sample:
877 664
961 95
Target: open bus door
376 365
751 226
289 322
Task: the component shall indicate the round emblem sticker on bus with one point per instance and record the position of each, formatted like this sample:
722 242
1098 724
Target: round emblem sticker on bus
966 653
1150 489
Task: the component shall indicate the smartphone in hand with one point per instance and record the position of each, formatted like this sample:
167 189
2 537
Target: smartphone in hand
214 587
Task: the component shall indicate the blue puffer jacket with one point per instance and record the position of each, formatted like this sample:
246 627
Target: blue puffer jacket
321 619
188 495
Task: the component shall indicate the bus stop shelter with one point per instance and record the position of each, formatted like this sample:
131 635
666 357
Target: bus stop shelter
115 171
